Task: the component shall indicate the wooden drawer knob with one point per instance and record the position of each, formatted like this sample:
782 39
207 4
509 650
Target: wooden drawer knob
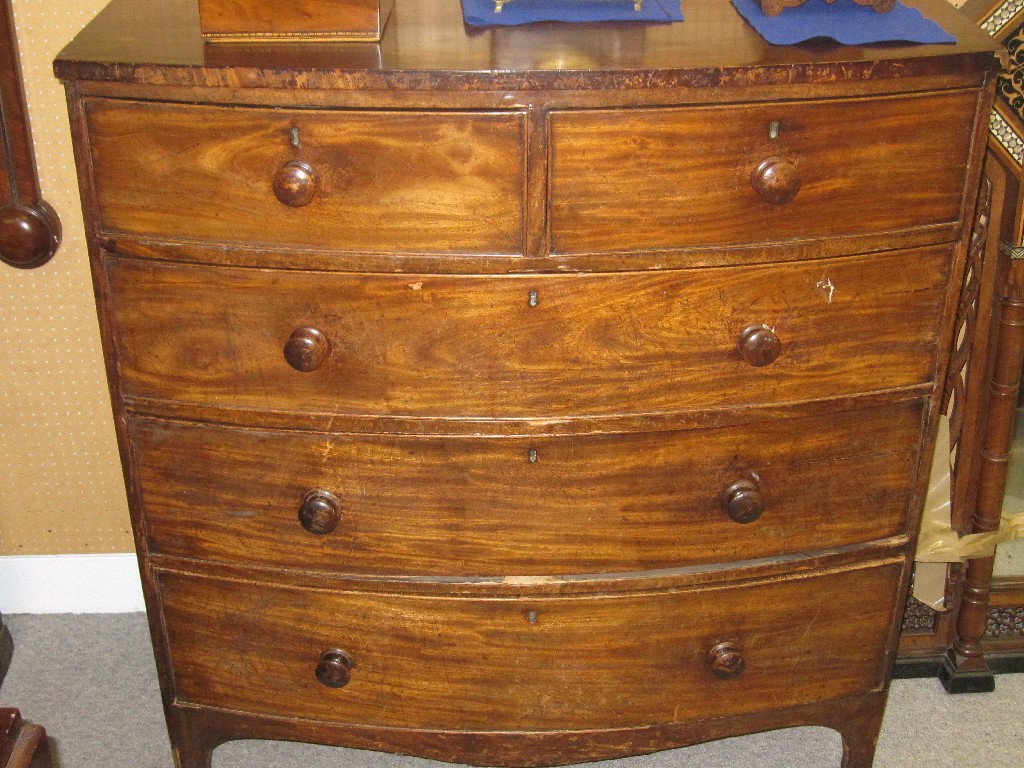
320 512
776 180
726 660
743 501
334 669
305 349
759 345
295 183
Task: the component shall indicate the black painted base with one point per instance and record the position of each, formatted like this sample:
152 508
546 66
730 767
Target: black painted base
6 649
929 666
956 679
1003 663
908 669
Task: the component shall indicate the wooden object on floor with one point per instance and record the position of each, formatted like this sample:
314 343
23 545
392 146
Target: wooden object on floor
29 228
315 21
465 396
964 668
926 633
929 636
22 744
6 649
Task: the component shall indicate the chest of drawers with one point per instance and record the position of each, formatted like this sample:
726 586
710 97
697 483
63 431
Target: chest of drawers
524 397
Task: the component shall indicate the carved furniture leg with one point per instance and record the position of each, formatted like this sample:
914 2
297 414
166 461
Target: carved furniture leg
6 649
191 743
859 730
964 669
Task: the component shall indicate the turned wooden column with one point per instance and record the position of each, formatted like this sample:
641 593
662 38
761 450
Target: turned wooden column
964 668
22 744
30 229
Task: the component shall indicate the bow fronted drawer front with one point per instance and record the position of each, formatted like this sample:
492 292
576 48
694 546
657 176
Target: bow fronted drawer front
760 174
407 505
345 180
546 663
528 346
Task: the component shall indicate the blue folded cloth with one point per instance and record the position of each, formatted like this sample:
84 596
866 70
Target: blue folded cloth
481 12
844 21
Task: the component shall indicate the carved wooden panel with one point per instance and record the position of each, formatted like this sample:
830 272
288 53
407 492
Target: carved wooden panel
919 617
1005 622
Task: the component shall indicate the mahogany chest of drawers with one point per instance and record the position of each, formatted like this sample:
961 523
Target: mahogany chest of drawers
524 396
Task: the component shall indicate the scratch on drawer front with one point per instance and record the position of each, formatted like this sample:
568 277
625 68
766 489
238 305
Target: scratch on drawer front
327 453
825 284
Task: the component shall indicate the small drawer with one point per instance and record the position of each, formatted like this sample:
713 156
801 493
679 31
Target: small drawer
542 663
463 506
526 346
361 182
700 177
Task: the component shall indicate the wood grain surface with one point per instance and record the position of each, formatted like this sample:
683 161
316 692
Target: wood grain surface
467 664
432 345
427 47
522 506
387 181
334 19
664 178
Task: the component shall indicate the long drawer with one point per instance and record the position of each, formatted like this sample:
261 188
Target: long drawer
547 663
357 181
525 506
527 346
763 173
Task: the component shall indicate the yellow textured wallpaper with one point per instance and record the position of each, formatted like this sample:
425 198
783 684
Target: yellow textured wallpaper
61 489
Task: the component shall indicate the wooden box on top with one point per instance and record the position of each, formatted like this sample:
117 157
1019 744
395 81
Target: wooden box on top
293 20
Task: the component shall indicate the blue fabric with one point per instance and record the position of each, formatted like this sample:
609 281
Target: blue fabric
844 21
481 12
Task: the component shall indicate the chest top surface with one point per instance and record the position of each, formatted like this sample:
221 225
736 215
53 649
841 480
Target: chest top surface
427 46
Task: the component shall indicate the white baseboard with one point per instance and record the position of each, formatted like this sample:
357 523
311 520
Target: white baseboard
70 584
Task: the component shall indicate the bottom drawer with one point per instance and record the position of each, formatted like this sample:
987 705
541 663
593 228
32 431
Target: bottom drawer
551 662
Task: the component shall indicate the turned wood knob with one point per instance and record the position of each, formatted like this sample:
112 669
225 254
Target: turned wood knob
295 183
334 669
743 501
305 349
726 660
759 345
776 180
29 234
320 512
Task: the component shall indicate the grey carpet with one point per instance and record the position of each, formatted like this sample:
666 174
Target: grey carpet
90 680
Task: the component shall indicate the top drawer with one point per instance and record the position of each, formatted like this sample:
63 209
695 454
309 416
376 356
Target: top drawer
373 182
689 178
